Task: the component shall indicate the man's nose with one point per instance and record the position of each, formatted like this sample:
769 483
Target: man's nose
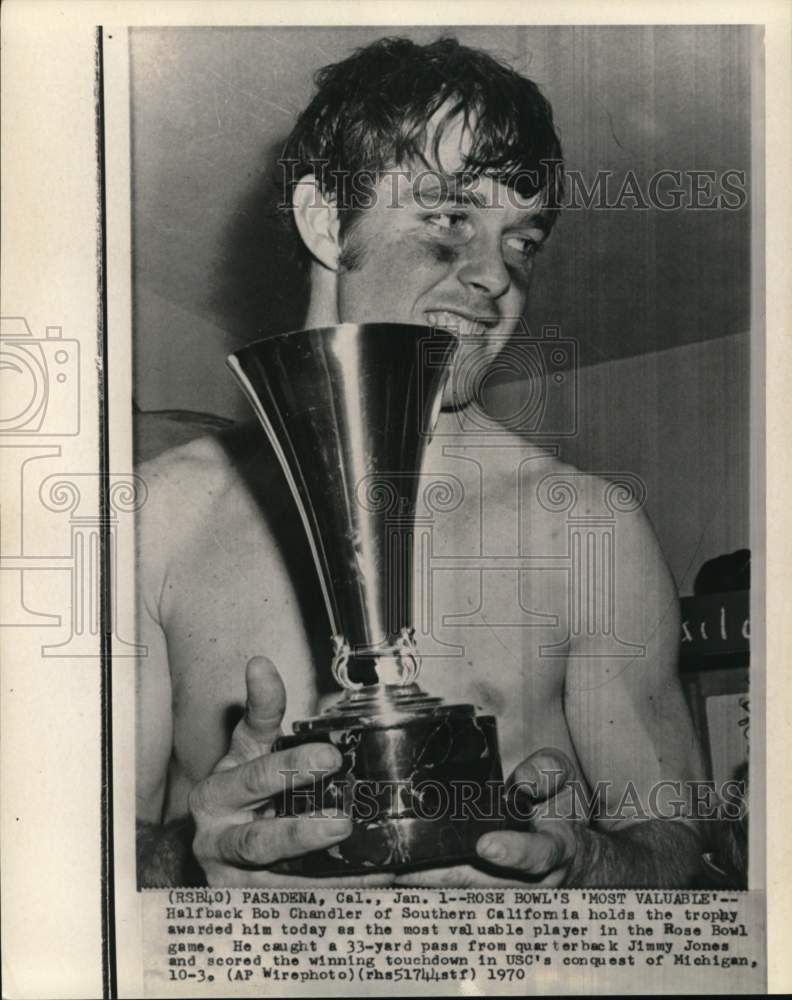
482 268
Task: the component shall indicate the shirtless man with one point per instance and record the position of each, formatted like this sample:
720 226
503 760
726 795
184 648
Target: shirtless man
227 588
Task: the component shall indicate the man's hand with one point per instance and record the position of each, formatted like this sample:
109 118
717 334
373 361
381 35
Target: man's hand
545 854
237 836
562 849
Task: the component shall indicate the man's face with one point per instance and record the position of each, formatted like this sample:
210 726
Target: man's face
443 254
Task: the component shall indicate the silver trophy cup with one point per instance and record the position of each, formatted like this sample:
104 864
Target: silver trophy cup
349 411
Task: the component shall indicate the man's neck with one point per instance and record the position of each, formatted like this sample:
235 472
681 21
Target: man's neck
322 300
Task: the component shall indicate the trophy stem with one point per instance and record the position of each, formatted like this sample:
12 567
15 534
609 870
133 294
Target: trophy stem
397 665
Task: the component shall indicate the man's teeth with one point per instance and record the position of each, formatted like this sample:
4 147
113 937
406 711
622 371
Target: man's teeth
455 323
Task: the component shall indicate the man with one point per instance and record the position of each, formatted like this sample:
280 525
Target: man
423 182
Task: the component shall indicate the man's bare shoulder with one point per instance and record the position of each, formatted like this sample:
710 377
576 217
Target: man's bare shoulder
196 487
603 503
555 494
201 502
537 466
200 466
204 470
559 487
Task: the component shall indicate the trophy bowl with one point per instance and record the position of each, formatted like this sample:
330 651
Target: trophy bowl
349 411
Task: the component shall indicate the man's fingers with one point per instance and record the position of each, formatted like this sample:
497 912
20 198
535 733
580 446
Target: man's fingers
253 782
532 853
543 774
264 707
266 699
264 841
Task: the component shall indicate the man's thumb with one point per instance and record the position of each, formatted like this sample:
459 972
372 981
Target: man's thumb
266 699
543 774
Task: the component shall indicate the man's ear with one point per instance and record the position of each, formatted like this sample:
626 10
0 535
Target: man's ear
317 221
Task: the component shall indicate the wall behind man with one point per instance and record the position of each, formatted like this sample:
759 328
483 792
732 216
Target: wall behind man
652 298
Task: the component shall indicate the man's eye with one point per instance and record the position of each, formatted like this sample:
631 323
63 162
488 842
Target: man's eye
447 222
525 246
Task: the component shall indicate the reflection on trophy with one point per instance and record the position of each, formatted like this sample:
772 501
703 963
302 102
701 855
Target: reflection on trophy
349 411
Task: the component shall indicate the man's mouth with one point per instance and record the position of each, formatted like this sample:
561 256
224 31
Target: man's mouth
464 326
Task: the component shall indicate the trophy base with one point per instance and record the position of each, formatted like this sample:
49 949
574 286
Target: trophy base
375 847
420 790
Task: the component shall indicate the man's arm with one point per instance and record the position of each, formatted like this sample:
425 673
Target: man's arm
164 855
655 853
633 732
164 851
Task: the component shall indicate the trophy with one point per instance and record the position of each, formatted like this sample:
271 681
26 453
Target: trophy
349 410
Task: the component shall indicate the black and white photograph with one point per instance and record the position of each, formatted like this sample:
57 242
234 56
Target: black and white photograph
427 586
449 586
568 465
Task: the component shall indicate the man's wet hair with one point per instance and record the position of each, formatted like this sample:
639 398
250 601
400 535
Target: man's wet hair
372 110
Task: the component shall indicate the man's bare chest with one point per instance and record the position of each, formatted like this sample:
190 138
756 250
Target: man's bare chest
484 620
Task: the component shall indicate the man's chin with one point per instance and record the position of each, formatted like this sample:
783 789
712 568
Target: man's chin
454 403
